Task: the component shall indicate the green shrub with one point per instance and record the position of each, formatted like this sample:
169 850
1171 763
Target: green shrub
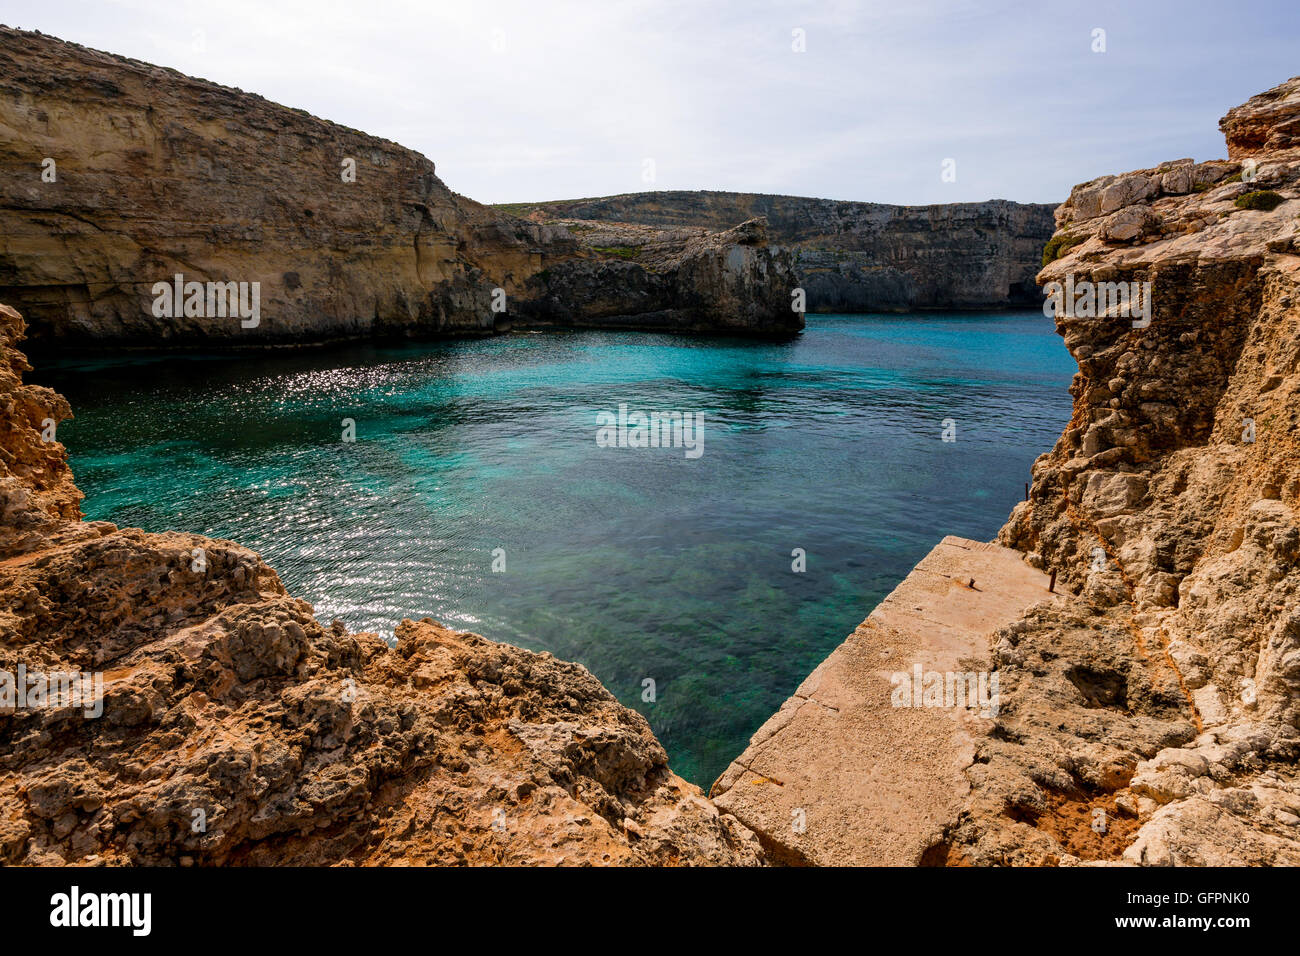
622 252
1264 200
519 210
1234 178
1059 245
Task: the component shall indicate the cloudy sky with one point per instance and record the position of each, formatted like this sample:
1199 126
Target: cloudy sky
519 100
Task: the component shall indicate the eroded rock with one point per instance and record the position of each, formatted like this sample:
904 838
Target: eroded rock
856 256
346 235
1170 509
235 729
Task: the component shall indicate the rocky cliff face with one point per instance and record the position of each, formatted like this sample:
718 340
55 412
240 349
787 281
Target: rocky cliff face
118 175
860 257
1148 707
687 279
1167 691
233 729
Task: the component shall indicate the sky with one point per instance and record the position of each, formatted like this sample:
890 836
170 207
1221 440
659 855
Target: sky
901 101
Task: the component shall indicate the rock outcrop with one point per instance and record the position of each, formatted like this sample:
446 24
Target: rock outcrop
116 175
1153 716
1170 684
858 256
231 728
640 277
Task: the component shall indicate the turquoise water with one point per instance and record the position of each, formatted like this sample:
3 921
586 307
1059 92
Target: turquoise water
639 563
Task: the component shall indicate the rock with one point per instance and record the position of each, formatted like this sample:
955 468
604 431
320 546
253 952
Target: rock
1177 181
855 256
235 729
698 280
1265 123
345 234
1128 190
1182 645
1129 223
37 496
1201 831
1113 493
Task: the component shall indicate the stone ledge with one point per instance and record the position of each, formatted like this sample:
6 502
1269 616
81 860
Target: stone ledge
875 784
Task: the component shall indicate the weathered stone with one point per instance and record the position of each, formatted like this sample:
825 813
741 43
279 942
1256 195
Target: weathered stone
1178 181
1111 494
347 235
1128 223
1266 123
235 729
844 776
1127 190
856 256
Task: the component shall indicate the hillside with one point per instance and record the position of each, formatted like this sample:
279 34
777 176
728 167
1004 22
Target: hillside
857 256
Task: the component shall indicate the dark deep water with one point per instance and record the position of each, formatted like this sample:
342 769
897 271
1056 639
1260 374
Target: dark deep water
639 563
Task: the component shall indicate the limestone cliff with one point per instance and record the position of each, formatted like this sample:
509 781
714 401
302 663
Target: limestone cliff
687 279
1148 702
116 175
1170 685
1156 691
858 256
235 729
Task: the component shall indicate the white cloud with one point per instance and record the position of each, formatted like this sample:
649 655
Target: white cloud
520 100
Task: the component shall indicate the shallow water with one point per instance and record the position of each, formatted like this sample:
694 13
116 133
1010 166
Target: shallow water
639 563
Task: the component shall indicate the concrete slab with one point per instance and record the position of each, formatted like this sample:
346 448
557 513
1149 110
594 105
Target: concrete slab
847 772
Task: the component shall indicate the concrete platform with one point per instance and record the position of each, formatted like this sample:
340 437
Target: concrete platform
840 775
